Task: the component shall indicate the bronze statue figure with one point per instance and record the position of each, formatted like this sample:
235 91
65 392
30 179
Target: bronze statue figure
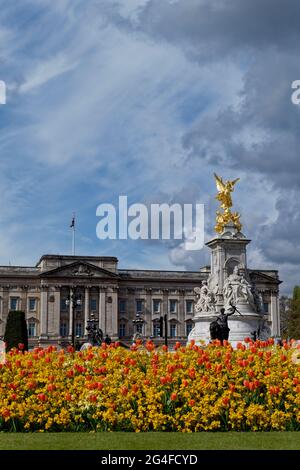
219 327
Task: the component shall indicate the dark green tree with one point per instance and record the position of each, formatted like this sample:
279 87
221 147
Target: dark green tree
16 330
293 329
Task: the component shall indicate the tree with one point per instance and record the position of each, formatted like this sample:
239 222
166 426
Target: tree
16 330
293 329
284 306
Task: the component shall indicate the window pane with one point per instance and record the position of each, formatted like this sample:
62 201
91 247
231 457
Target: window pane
63 329
32 303
122 306
189 327
94 304
189 306
139 305
63 305
13 303
173 330
78 329
122 329
31 329
156 329
173 306
156 306
266 307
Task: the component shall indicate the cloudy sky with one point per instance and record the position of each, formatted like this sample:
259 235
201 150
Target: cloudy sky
147 98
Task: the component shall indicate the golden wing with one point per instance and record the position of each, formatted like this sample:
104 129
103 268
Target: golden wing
219 183
235 181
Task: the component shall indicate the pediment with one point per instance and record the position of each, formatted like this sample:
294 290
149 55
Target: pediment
257 277
80 270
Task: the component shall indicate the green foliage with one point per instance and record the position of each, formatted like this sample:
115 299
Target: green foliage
16 330
296 293
293 324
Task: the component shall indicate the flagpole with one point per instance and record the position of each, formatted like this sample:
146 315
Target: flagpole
73 234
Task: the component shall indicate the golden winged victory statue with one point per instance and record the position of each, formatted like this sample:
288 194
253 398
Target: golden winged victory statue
225 188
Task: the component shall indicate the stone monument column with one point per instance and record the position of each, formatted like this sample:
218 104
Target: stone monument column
228 284
44 312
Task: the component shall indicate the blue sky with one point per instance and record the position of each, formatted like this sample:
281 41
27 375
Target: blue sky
148 99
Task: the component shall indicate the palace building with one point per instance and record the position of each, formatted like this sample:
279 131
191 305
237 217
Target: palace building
115 297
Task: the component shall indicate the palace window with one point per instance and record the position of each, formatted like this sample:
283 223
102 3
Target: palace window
122 330
31 329
156 306
189 327
156 329
63 305
32 303
173 306
93 304
189 304
14 303
122 306
173 329
266 307
139 306
63 329
78 329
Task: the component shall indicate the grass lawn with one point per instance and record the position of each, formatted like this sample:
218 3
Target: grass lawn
150 441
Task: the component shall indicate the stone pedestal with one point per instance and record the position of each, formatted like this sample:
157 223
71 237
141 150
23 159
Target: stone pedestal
228 283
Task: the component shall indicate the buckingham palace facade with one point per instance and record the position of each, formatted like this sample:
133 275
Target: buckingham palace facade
114 297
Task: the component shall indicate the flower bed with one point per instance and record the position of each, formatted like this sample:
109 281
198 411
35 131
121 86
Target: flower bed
252 388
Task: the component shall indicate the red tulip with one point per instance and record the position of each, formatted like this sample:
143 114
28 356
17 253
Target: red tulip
124 391
42 397
6 413
173 396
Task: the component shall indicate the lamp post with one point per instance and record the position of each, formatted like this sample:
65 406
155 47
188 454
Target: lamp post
163 328
74 299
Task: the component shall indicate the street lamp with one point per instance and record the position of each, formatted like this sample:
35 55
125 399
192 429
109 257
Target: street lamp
163 328
75 301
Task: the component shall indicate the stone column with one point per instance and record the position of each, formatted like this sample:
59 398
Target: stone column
148 313
44 312
275 314
71 313
181 314
114 313
86 309
102 310
131 311
23 300
54 314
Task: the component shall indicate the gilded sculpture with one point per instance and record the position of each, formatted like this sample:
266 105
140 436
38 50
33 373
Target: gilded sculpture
225 216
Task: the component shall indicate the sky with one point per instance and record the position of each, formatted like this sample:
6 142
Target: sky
148 98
